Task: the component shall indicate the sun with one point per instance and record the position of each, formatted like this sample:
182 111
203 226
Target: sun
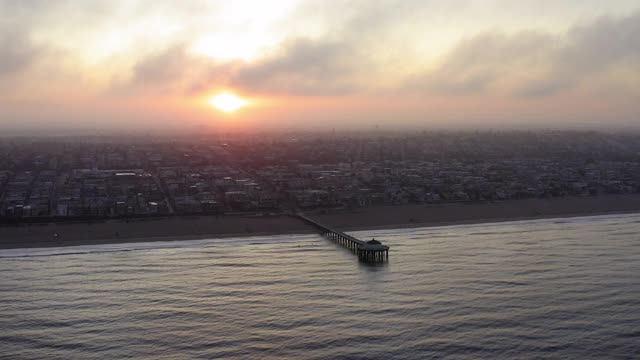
227 102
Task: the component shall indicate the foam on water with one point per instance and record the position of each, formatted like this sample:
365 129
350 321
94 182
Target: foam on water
140 246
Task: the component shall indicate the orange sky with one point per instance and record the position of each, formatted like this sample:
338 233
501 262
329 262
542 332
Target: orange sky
155 65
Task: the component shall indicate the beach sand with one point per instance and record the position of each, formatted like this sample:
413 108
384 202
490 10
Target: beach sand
461 213
396 216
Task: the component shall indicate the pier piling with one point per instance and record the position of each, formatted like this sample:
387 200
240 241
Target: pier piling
371 251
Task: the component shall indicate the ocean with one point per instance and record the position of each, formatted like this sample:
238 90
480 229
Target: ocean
542 289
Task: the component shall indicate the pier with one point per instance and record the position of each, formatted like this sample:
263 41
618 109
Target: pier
367 251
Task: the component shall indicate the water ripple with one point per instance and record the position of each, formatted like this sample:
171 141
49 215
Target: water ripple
543 289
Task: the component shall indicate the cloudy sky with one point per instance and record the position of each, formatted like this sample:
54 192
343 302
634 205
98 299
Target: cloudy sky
155 65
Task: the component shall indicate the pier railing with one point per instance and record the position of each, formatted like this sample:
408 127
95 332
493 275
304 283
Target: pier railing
368 251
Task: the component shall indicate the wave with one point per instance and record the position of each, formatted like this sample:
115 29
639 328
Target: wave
152 245
430 229
492 228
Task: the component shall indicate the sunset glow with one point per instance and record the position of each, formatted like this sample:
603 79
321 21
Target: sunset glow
190 122
318 64
227 102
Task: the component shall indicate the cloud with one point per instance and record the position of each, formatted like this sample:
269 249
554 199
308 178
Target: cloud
341 61
161 68
602 43
303 66
299 66
535 63
524 64
17 52
394 58
478 64
174 70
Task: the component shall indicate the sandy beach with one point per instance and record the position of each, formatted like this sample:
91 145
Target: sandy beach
400 216
464 213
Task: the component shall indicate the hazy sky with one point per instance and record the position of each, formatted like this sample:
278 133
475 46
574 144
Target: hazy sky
103 65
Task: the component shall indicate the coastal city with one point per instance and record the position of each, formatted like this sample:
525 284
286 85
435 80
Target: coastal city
309 179
99 177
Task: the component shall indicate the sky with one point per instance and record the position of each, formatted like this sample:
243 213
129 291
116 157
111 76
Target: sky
155 66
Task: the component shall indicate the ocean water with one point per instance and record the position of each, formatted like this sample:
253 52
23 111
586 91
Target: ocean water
545 289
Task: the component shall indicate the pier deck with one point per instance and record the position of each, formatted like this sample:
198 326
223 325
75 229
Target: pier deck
367 251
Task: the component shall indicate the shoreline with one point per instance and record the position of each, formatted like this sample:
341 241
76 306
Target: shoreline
384 217
489 221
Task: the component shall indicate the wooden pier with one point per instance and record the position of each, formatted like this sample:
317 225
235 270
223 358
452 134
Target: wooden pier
367 251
